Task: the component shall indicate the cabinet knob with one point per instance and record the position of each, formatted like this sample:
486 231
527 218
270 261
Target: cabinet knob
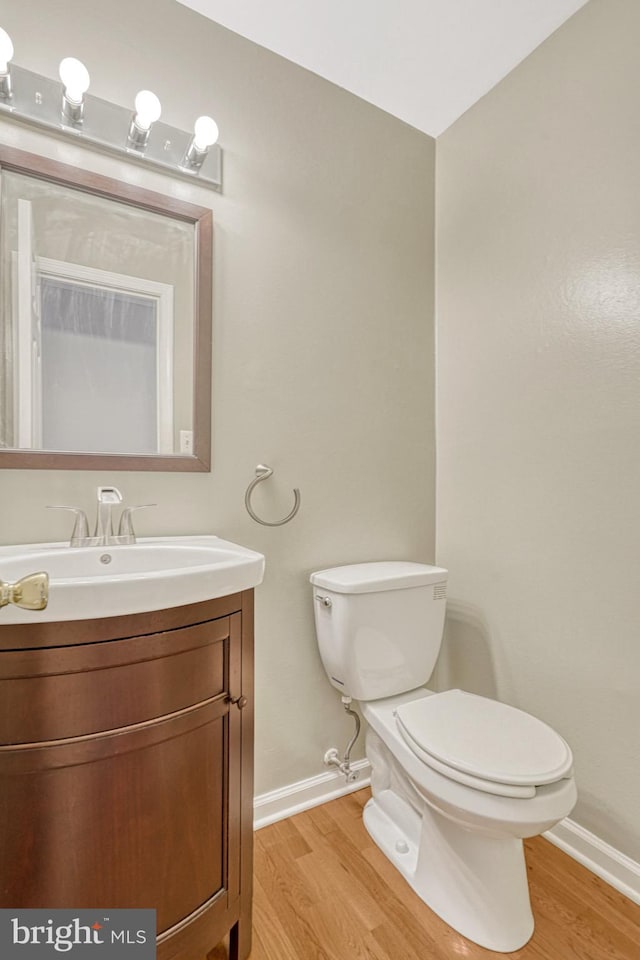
240 702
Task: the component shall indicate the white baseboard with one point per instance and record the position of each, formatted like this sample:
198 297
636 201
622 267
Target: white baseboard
296 797
605 861
602 859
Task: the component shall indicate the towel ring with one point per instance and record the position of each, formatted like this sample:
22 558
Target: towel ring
263 472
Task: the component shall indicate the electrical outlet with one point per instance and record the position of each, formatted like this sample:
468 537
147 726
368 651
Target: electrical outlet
186 441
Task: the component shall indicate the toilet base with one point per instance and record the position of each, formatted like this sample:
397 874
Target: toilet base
476 883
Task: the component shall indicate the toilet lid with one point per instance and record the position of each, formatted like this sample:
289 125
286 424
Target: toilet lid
485 738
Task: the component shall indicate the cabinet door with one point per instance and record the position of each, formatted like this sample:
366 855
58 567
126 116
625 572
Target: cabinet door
142 816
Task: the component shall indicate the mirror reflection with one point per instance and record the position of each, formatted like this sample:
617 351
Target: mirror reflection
99 326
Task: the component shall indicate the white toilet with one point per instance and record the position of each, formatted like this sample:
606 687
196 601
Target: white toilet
457 780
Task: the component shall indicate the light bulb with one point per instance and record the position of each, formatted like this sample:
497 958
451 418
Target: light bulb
6 50
205 133
148 109
75 78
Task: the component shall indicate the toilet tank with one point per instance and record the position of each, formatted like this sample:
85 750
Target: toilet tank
379 625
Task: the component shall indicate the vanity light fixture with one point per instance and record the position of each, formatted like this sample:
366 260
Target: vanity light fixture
31 98
147 111
205 134
6 55
75 82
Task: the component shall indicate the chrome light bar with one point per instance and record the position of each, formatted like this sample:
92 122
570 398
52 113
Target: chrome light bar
31 98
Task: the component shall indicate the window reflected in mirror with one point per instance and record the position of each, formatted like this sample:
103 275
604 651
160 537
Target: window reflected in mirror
105 314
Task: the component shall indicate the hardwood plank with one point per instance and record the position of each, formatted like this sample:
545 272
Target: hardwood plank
283 831
595 931
544 857
320 818
269 934
341 887
288 898
392 941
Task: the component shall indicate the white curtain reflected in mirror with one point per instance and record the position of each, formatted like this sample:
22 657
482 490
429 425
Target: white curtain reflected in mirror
98 330
99 356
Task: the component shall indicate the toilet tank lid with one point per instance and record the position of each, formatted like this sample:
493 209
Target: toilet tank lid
378 576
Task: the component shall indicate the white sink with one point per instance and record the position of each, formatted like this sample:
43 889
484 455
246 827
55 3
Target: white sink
152 574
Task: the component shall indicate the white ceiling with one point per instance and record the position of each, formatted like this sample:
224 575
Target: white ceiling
424 61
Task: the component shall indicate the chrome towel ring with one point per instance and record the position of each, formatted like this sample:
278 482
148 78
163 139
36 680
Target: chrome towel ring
263 472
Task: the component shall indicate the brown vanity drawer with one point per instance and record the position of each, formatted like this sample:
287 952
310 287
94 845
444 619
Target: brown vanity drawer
50 694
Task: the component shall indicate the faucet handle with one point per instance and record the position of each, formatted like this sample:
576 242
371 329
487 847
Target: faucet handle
80 532
125 529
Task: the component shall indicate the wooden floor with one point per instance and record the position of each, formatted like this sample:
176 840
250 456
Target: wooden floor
323 891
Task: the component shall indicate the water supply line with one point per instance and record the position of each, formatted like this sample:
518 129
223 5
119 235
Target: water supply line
331 757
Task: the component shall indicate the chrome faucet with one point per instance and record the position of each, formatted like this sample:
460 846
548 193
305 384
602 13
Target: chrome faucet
107 497
103 535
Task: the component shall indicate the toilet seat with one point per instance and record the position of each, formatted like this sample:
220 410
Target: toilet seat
483 743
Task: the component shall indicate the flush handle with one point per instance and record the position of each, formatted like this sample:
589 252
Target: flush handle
325 601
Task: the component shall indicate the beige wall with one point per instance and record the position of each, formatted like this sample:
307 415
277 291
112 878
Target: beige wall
323 330
538 198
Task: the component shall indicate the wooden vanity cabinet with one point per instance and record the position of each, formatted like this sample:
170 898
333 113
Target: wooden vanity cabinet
126 769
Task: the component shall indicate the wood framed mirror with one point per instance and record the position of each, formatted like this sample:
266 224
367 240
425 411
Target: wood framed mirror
105 322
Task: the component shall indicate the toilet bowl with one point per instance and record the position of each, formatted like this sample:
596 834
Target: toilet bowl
458 846
457 780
